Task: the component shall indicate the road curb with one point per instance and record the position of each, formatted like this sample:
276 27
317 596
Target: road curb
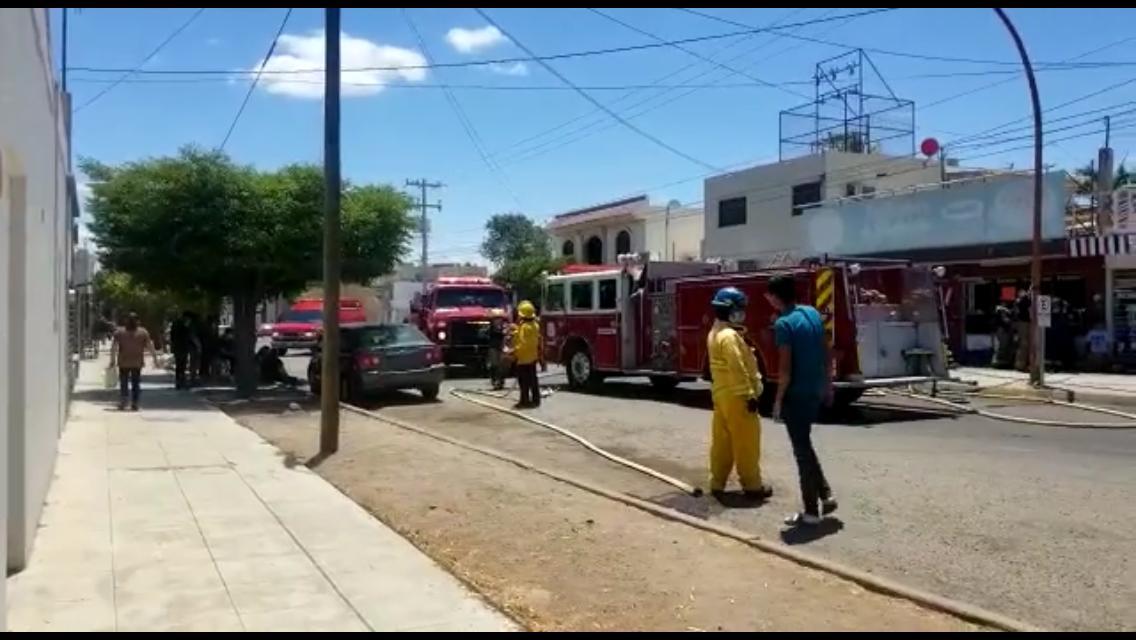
878 584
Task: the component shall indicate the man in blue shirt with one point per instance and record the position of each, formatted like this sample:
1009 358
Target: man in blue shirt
803 384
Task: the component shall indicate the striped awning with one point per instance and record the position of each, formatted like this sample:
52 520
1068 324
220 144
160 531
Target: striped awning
1103 245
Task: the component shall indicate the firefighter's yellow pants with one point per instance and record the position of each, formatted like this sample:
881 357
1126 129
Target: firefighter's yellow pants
735 438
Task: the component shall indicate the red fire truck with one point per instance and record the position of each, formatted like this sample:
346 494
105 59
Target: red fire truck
455 313
651 319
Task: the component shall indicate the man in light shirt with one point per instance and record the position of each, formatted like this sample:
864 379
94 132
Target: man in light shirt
128 353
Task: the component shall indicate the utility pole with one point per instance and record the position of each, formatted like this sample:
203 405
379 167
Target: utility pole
423 184
329 358
1037 357
1105 178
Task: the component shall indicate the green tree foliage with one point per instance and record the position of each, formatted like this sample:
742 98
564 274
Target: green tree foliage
519 248
512 236
118 294
197 222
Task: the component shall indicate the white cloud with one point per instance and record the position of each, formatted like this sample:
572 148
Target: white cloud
514 69
303 53
472 40
213 42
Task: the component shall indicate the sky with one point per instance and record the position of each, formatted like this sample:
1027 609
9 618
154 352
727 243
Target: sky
682 111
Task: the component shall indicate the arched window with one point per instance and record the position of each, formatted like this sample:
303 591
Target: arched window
622 243
593 250
568 249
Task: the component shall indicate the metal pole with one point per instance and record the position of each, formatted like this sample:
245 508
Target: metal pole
1037 358
329 370
667 233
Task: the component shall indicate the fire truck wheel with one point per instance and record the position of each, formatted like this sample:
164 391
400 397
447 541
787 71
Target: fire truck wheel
664 383
580 370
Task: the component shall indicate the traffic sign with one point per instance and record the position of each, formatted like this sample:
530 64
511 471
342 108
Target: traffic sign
1044 311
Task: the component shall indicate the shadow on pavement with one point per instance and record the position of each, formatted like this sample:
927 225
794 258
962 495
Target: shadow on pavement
627 390
150 399
805 535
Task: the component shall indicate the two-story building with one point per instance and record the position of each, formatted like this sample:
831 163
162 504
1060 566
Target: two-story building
599 234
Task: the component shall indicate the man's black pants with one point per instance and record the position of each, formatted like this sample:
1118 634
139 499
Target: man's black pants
799 415
181 362
129 384
529 384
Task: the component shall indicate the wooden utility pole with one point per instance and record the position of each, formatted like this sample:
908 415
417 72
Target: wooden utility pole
329 365
423 184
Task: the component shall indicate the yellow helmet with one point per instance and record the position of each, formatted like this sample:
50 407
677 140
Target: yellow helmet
526 309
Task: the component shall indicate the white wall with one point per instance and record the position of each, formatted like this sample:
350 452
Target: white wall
770 229
680 239
37 229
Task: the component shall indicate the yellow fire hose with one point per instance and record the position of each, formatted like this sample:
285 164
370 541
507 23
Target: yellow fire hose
658 475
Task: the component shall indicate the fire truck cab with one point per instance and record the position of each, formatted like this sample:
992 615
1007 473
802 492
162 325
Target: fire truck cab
652 319
455 312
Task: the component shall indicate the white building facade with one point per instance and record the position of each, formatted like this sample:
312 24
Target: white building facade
755 216
36 219
601 233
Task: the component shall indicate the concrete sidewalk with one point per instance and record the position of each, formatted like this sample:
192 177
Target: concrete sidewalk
177 518
1104 388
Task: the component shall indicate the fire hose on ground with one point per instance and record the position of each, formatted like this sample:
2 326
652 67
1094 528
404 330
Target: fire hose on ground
866 579
466 395
968 409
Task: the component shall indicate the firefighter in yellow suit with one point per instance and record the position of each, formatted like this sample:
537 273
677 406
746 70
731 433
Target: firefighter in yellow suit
735 436
527 348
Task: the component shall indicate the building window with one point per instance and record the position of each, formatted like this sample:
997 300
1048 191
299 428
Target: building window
554 297
622 243
608 299
747 265
805 195
732 212
593 251
568 249
581 294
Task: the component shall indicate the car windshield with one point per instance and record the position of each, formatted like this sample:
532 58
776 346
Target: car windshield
449 297
301 315
388 335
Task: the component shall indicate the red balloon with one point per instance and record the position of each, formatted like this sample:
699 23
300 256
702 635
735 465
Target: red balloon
929 147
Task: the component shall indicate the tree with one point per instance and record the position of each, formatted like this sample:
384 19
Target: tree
197 222
519 248
118 294
512 236
525 276
1086 178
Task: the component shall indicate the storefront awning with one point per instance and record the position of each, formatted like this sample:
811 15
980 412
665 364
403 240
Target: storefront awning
1103 245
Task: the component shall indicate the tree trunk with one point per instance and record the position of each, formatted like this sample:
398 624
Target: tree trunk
244 334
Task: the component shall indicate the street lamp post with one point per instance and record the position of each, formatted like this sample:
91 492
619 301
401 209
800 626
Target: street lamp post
1037 358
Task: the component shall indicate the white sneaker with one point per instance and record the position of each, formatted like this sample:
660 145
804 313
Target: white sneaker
802 519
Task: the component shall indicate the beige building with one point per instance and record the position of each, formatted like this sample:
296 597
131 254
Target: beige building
600 233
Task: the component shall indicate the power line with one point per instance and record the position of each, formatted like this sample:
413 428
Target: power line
459 86
650 103
892 52
463 118
657 84
587 96
498 61
252 87
691 52
138 68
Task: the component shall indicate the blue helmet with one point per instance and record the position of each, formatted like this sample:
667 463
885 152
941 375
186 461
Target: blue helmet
729 298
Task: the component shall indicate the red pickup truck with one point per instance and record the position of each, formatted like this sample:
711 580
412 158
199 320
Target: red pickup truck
299 327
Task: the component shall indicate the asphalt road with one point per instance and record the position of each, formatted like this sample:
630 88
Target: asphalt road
1035 522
